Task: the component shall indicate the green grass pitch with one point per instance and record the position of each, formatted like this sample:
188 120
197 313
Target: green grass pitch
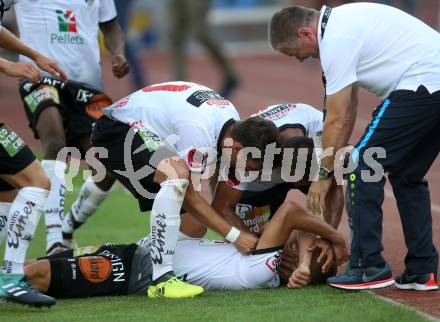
119 221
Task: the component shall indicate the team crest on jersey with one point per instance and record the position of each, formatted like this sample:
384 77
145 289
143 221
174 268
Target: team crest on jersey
273 263
277 112
197 159
209 97
66 21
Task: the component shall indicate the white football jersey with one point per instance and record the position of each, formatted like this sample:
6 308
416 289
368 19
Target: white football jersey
217 265
287 115
187 115
67 31
298 115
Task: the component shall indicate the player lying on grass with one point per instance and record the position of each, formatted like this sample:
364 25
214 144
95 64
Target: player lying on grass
158 142
214 265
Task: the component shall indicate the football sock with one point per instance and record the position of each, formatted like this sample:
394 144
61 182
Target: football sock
4 210
23 218
164 224
54 206
89 199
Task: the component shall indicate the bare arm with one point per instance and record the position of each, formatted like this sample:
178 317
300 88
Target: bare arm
114 42
334 205
200 209
302 275
339 122
291 216
12 43
24 69
224 202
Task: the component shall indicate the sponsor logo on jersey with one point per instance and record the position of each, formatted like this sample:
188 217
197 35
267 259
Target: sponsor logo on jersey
273 263
67 29
253 217
208 97
41 94
17 225
95 269
117 265
158 232
197 159
151 140
28 86
277 111
66 21
10 141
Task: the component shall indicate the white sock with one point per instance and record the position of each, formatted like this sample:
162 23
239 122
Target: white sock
164 224
54 206
89 199
4 210
23 218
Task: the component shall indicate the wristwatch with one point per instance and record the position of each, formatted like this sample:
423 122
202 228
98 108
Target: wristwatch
324 173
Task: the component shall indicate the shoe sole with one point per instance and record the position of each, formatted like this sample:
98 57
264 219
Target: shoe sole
168 297
417 287
152 295
365 286
38 306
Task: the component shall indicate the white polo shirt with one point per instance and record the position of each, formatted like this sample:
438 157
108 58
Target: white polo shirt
66 31
379 48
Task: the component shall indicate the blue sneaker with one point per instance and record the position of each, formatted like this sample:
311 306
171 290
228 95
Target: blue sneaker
363 278
14 288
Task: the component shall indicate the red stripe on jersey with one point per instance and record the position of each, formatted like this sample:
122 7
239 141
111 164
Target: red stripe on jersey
168 88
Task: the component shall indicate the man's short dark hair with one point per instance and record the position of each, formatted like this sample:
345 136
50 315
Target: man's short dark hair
306 157
255 132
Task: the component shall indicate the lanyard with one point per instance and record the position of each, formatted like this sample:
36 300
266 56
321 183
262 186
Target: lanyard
4 8
324 21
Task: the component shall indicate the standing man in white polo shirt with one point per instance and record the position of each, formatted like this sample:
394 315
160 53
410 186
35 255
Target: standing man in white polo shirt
396 57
